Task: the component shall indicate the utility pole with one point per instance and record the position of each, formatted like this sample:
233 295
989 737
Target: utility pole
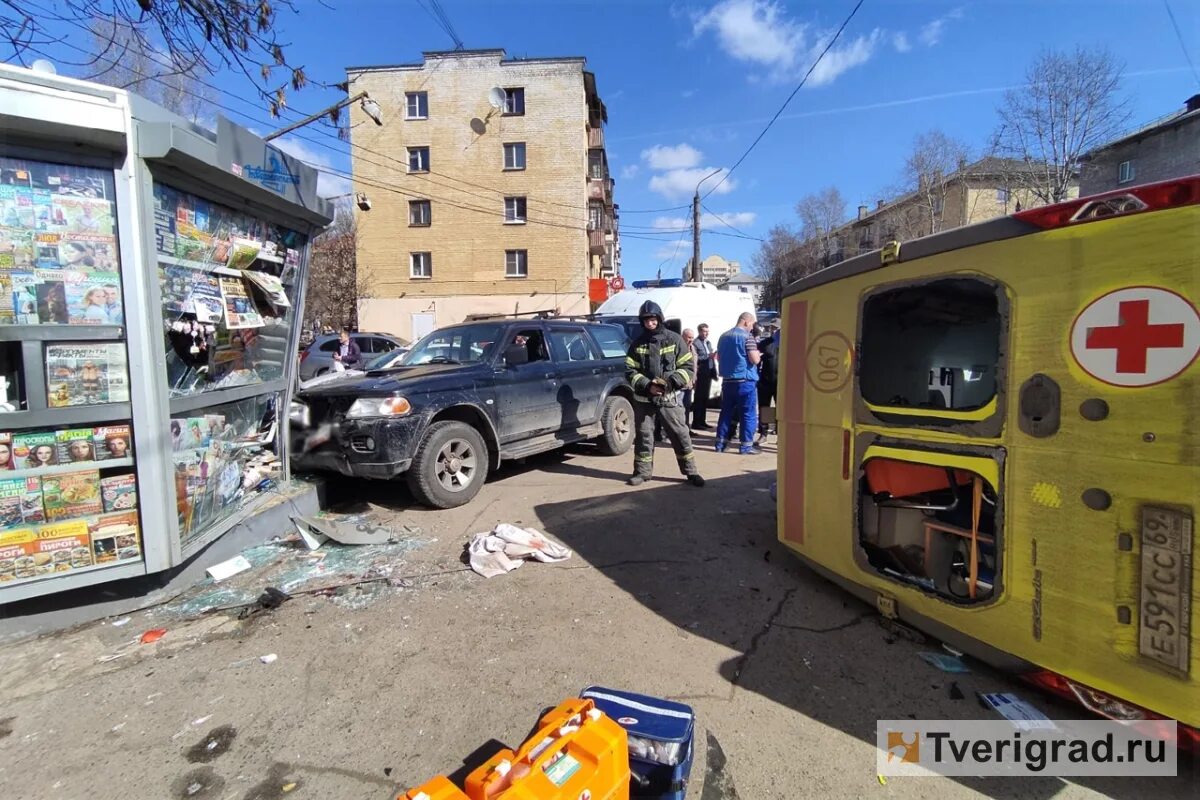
696 275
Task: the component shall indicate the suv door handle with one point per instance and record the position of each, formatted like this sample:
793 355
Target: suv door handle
597 371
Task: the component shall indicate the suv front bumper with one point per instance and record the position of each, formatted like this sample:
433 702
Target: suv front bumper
380 448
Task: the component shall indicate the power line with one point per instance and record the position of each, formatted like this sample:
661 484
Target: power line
725 222
677 244
799 86
441 12
1179 36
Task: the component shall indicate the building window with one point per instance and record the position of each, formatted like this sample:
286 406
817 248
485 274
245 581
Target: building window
418 159
596 164
514 155
1125 172
416 105
595 216
516 263
1002 196
514 102
514 209
420 265
419 212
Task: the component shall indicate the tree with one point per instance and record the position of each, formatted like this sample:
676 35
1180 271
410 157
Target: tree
335 282
930 170
1070 104
133 64
203 36
822 213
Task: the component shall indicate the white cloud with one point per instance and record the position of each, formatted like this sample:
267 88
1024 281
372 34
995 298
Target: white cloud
629 171
672 250
708 221
687 93
932 32
760 32
680 156
676 184
328 184
900 42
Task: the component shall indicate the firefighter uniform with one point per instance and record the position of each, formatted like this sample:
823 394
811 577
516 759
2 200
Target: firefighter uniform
659 366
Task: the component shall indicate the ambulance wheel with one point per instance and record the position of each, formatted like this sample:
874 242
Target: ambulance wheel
450 466
617 421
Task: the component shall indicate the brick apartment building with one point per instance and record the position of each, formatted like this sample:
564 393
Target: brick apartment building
1168 147
978 191
477 209
714 269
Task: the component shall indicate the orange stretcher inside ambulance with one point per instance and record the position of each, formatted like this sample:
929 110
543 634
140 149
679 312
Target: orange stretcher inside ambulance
993 434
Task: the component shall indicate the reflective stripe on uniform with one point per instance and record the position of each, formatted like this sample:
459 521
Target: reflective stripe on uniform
644 458
683 359
632 363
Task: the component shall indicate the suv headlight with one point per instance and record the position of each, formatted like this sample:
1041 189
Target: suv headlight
299 414
395 406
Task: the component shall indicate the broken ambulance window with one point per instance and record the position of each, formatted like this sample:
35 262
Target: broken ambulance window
930 346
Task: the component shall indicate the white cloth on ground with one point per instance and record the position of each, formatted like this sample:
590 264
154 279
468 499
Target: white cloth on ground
506 547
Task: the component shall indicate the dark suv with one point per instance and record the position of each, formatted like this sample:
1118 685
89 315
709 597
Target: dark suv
466 398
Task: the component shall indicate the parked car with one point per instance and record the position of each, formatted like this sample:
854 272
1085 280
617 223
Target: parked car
467 398
317 358
385 361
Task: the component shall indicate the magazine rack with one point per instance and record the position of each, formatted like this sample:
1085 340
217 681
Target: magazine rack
156 272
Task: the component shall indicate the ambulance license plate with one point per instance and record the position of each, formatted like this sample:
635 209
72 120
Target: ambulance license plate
1165 607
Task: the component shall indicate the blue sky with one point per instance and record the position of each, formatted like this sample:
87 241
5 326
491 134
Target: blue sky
689 85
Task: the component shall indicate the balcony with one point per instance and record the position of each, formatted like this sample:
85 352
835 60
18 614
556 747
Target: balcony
600 189
596 243
595 137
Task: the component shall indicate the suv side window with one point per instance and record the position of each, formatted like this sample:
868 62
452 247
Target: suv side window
612 340
330 346
569 345
534 341
366 344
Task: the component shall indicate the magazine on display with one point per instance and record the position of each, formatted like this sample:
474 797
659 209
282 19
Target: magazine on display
119 492
50 292
82 214
21 501
114 537
75 445
240 311
35 449
112 442
71 494
93 298
16 247
84 374
6 451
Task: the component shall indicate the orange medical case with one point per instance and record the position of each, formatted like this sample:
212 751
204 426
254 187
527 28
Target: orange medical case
440 788
576 752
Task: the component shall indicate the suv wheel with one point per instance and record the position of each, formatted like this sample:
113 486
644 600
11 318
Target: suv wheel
618 426
450 466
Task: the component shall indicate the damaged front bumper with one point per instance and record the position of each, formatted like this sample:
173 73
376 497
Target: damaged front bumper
379 448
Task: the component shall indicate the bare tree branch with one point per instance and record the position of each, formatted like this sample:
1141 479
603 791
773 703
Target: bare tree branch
1070 104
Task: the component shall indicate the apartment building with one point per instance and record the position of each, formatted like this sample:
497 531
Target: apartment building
489 186
1168 147
714 269
984 189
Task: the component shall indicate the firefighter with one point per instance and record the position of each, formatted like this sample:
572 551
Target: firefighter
659 366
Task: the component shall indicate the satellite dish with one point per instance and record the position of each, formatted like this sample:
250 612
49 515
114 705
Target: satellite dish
44 66
479 126
496 98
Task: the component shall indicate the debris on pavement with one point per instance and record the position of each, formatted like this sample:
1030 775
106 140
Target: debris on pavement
506 547
955 692
117 623
1020 713
356 529
153 635
946 663
269 658
228 568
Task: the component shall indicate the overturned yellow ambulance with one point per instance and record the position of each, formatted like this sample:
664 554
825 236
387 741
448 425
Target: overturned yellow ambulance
993 434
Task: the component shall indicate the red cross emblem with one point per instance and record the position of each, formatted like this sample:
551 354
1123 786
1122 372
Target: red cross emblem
1138 336
1133 336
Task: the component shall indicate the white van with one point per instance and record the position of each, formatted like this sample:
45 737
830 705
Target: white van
684 305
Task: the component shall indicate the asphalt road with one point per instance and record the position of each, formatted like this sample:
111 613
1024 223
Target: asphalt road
672 591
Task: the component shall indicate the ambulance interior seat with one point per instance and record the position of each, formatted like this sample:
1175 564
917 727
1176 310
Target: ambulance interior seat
898 498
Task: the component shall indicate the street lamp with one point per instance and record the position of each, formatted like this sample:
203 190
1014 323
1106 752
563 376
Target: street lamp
696 227
360 199
369 107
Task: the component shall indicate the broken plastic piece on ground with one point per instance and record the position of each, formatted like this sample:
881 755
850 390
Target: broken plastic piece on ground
354 530
946 663
955 692
229 568
506 547
116 623
269 658
1021 714
153 635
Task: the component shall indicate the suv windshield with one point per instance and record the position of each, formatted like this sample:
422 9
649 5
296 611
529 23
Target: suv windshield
385 360
466 344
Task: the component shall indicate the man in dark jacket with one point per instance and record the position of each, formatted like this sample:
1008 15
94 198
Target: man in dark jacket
659 366
348 353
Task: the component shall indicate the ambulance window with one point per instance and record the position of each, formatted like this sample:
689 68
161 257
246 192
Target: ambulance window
933 345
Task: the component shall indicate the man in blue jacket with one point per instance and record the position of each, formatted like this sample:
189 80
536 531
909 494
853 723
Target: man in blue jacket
738 358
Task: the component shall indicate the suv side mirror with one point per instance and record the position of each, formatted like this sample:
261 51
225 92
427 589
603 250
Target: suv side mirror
516 355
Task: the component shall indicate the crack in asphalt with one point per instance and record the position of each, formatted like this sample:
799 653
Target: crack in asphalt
831 629
756 640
